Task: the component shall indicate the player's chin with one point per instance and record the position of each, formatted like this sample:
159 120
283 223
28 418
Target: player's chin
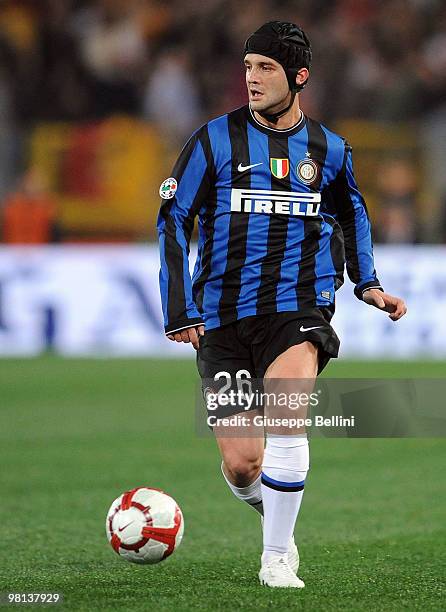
258 104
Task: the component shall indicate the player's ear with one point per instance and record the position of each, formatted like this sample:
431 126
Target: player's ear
302 75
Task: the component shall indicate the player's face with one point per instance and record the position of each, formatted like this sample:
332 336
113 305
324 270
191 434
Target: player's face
267 84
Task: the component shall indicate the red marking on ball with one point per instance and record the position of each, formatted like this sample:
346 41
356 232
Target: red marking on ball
115 542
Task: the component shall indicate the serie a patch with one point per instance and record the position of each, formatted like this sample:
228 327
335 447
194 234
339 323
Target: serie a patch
168 188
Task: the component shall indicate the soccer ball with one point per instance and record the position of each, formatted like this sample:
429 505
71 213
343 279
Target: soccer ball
144 525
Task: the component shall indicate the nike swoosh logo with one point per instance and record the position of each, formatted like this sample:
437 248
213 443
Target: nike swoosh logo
304 329
242 168
125 527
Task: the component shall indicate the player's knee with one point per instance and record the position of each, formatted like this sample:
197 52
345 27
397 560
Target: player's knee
242 470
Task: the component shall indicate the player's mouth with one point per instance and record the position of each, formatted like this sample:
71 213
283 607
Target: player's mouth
255 94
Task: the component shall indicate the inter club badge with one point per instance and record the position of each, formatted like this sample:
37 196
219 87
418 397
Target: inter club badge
307 171
168 188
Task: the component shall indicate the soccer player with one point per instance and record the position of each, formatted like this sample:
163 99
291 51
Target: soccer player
279 215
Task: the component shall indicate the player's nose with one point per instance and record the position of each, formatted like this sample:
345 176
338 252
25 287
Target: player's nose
253 76
253 80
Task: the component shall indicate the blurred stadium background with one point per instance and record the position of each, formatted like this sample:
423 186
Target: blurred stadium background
96 100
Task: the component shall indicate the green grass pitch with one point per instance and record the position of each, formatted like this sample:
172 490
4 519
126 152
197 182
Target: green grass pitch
74 434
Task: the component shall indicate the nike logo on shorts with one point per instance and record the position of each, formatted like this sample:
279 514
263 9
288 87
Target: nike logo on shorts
304 329
242 168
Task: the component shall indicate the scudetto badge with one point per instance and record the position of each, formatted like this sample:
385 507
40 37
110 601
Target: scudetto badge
168 188
279 167
307 171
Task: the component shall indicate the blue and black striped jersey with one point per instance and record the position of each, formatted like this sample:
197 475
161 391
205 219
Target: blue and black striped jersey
279 215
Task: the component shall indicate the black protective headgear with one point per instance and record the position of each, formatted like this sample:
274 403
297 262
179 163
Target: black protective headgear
287 44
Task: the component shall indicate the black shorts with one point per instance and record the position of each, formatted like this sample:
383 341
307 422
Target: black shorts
253 343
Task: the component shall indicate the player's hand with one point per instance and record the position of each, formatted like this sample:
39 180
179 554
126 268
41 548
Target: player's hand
191 334
384 301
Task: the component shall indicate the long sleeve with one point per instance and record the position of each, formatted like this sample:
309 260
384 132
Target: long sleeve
175 225
351 212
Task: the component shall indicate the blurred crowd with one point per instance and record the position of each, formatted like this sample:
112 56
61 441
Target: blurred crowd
178 63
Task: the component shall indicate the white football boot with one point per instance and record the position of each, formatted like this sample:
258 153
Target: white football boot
293 555
278 573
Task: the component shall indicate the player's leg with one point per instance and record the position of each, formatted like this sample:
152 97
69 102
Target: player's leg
285 466
242 462
221 360
289 350
242 459
286 457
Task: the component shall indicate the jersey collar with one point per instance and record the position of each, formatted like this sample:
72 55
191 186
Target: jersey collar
274 131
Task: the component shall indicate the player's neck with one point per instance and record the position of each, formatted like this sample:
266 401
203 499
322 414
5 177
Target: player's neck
286 121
